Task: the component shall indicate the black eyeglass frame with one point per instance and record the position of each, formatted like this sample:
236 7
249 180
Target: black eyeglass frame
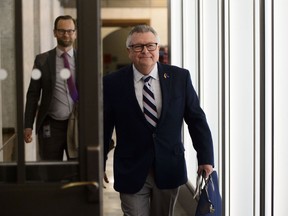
64 31
140 47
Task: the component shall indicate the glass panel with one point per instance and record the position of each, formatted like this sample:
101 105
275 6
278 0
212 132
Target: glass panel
8 121
38 37
40 98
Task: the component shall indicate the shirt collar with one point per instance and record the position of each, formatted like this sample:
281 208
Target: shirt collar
138 76
60 52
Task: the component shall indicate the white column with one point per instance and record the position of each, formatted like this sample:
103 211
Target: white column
241 97
280 107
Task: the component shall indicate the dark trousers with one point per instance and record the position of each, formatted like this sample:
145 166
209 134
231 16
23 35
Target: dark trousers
52 138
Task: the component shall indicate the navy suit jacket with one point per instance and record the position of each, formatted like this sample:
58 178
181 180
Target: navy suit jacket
140 148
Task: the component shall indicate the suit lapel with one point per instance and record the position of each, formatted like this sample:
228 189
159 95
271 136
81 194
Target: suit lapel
165 83
131 90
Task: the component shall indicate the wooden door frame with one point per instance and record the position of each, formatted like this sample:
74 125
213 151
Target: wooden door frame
124 22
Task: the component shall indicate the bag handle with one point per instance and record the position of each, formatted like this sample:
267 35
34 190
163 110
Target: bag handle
200 188
199 184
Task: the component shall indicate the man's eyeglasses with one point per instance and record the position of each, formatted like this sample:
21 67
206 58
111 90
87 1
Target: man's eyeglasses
63 31
140 47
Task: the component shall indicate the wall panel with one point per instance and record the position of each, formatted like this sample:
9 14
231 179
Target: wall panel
280 107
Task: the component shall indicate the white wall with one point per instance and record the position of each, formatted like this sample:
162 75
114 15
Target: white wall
248 122
280 106
241 99
185 46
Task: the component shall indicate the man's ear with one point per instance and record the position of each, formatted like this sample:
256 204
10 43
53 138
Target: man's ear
129 52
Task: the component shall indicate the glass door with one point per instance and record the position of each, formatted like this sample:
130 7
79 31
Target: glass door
29 186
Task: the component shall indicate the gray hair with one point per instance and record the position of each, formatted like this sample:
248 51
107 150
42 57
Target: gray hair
141 29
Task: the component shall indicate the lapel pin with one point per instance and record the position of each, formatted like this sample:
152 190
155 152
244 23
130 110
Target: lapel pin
166 75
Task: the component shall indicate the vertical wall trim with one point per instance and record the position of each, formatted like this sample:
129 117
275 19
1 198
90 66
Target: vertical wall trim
254 108
199 46
182 35
227 134
169 30
272 108
262 106
222 102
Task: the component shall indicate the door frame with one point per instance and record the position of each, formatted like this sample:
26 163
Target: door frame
90 166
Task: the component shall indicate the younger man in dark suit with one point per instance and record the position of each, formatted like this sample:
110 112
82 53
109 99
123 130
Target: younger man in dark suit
52 90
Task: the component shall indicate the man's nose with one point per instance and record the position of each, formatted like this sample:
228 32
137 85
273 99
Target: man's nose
144 50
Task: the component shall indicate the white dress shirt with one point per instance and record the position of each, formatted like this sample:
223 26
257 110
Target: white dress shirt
62 103
155 85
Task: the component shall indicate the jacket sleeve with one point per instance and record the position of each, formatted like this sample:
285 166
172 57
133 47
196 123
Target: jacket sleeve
197 125
108 116
32 98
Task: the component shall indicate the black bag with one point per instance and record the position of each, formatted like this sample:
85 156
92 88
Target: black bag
209 199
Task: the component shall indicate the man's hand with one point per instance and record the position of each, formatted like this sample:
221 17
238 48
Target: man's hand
207 168
28 135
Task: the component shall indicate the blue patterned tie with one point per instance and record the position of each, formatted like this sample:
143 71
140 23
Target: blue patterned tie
149 104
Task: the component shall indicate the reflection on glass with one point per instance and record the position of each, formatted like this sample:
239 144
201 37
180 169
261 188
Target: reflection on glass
8 122
65 74
38 37
36 74
3 74
52 96
7 146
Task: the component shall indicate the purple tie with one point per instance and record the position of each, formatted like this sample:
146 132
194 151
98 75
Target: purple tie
70 81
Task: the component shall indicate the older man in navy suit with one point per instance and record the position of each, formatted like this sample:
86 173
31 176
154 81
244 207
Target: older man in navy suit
149 163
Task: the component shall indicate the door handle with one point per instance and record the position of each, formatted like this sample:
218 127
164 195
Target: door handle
92 188
79 184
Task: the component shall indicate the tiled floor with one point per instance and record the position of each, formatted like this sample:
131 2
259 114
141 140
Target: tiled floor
111 200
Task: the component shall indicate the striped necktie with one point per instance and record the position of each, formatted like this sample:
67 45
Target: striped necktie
70 81
149 104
